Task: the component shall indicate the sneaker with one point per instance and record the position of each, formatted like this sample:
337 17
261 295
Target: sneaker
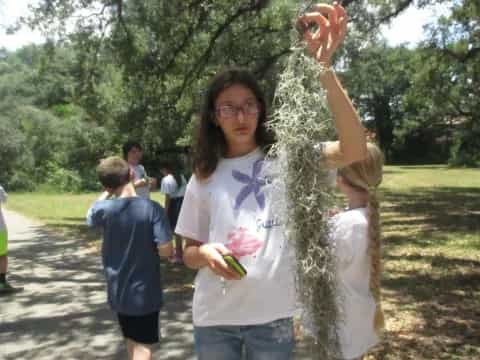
6 289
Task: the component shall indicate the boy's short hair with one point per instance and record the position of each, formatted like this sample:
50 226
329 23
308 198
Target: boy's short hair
129 145
113 172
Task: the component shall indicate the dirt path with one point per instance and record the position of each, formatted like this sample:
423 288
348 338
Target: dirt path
62 313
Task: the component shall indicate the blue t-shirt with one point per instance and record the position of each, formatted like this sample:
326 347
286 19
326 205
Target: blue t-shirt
133 227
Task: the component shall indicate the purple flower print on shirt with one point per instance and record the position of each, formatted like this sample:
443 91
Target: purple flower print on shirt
242 242
253 185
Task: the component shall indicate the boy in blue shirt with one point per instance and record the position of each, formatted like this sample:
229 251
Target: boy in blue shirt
135 234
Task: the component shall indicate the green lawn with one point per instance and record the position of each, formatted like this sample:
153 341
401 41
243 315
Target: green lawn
431 287
64 213
431 227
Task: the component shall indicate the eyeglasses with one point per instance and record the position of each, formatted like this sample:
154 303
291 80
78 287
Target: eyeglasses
231 111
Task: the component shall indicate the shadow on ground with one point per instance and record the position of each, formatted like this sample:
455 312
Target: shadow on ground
432 283
62 313
431 211
431 288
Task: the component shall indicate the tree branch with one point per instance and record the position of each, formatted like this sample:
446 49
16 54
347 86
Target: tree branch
462 57
268 62
121 20
193 73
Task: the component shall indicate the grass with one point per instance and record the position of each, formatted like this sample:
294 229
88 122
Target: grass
431 286
64 213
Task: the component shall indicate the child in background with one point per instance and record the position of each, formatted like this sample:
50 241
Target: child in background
356 237
135 233
133 153
5 287
173 186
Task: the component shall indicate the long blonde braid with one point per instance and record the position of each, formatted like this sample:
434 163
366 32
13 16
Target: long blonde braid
367 175
374 249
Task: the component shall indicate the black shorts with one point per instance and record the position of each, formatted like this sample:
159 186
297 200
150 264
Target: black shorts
142 329
174 211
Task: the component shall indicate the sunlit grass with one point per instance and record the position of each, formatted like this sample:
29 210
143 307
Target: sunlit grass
56 208
400 178
64 213
431 227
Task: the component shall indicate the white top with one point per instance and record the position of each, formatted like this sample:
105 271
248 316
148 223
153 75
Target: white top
356 303
170 187
140 173
3 198
233 207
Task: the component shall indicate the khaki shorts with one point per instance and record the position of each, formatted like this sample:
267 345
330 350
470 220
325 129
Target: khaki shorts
3 242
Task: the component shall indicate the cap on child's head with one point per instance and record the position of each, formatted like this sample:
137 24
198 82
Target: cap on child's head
113 172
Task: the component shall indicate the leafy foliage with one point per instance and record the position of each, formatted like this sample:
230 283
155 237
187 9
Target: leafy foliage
116 70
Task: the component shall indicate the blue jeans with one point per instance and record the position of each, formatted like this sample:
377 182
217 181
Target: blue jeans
270 341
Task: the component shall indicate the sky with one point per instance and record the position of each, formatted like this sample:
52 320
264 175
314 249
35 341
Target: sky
10 11
406 28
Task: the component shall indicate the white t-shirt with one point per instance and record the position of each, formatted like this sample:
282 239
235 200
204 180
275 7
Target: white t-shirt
233 207
3 198
170 187
356 303
140 173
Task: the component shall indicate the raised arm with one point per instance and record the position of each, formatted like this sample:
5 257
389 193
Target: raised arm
332 28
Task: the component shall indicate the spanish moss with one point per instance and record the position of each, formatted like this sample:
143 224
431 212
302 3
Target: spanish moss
302 121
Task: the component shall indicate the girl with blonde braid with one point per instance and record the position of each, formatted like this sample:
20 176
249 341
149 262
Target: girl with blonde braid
356 237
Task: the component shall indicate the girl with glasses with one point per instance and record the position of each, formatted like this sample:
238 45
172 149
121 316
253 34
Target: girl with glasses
227 208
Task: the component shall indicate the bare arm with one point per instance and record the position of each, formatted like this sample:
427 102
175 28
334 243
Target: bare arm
165 250
332 28
91 219
152 182
140 183
105 195
352 145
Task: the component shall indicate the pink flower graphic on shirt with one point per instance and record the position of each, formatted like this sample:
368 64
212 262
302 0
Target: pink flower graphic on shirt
242 243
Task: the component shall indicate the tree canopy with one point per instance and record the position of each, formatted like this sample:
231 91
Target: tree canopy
114 70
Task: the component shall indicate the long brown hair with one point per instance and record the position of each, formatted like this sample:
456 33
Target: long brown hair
367 175
210 142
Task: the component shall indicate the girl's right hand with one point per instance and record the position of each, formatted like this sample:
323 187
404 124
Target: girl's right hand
331 21
213 254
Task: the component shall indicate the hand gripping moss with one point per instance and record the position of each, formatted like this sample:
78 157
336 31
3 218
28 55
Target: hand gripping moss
302 121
